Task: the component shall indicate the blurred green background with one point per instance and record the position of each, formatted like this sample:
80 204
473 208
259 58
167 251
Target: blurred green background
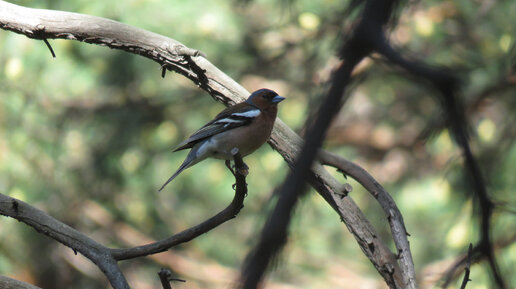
87 137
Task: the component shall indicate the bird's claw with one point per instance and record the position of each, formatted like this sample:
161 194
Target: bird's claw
229 166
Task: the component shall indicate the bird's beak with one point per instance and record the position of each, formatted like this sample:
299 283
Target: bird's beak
277 99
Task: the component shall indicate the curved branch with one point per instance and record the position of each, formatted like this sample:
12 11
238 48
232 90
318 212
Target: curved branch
394 217
225 215
106 258
8 283
448 85
171 54
288 144
65 235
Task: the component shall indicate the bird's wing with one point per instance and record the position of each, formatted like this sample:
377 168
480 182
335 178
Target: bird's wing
232 117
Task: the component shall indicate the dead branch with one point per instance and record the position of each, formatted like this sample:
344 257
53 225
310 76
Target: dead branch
106 258
8 283
225 215
66 235
394 217
467 271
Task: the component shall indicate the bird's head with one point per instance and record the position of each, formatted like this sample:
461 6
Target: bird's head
264 98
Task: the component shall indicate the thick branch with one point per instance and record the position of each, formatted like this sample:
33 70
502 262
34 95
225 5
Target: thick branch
8 283
49 24
106 258
64 234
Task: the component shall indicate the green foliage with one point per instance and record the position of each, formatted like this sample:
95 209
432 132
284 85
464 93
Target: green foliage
87 137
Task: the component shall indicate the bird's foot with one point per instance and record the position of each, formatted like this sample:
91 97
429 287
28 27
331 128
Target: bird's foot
229 166
241 171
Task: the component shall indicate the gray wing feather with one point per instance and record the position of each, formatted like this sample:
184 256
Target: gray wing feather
224 121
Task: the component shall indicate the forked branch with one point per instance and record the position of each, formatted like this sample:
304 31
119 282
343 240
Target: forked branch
106 258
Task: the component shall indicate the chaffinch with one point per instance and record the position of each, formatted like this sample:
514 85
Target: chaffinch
245 126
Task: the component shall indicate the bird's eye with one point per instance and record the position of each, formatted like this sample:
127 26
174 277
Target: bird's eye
269 96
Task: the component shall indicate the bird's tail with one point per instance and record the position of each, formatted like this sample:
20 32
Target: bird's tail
186 164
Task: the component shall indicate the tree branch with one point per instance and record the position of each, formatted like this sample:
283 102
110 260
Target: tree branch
394 217
466 279
66 235
447 84
106 258
274 234
165 276
475 256
363 41
8 283
225 215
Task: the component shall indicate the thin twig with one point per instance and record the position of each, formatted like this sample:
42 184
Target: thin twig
165 277
466 270
451 273
163 70
49 48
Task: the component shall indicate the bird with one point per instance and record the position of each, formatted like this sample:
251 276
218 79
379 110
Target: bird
244 126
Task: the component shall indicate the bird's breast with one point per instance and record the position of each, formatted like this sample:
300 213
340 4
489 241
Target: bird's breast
220 146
